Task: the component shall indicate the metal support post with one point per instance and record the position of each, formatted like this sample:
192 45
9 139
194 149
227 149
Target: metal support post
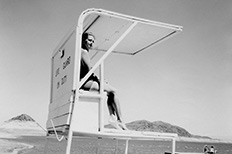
101 102
127 144
173 145
68 148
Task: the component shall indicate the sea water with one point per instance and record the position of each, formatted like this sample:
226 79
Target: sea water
110 146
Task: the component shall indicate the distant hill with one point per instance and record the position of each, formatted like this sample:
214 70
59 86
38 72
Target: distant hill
22 117
22 125
159 126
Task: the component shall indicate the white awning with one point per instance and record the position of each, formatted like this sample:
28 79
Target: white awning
109 26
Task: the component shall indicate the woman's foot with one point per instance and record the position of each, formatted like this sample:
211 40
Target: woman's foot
122 125
114 122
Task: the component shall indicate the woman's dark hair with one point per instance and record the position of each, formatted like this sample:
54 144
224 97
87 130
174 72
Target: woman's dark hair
84 37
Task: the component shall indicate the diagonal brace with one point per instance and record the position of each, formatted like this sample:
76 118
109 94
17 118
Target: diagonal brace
107 53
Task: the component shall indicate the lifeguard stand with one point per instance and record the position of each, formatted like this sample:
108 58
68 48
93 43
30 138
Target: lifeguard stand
73 112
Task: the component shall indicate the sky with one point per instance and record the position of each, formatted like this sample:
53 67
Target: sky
185 81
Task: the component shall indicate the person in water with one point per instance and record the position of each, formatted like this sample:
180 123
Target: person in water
93 83
206 149
212 150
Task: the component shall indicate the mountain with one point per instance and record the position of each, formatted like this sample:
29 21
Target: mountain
159 126
22 125
22 117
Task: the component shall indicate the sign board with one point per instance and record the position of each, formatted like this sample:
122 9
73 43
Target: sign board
63 69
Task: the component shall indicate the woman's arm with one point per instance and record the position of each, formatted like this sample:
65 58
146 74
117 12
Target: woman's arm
86 58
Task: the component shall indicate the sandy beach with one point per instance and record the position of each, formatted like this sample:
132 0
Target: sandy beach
10 147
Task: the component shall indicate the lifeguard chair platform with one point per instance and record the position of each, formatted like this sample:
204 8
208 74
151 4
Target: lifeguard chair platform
115 33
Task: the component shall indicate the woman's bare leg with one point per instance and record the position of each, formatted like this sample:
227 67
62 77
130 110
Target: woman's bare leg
112 101
91 85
